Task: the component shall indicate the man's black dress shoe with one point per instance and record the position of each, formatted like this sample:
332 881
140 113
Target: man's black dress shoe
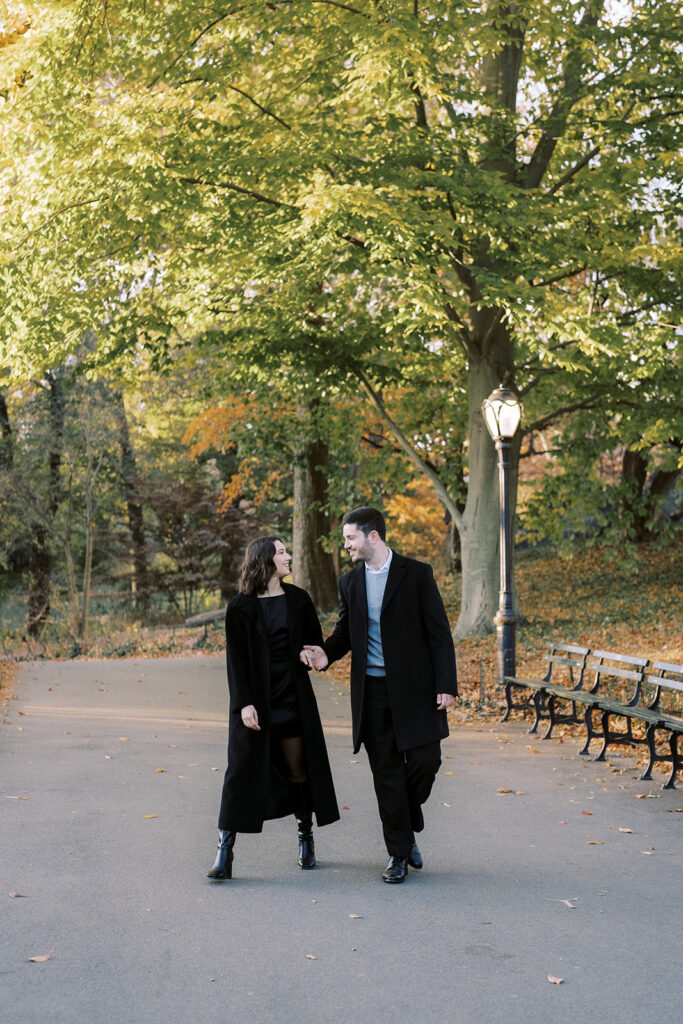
415 857
396 870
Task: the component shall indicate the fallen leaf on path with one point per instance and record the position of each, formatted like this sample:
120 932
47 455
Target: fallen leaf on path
555 981
39 959
356 916
647 796
157 770
533 750
309 956
586 812
595 842
16 895
675 810
449 773
562 823
354 762
626 830
124 739
647 853
503 790
149 815
14 797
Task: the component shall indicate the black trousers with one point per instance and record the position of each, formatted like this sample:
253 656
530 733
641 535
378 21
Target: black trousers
403 780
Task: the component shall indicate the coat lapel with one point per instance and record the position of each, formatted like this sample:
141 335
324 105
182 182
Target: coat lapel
357 593
397 571
253 609
291 616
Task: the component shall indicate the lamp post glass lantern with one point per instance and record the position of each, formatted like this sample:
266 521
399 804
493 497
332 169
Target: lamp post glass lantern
502 414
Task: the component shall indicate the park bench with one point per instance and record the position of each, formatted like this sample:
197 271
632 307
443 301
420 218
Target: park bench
205 619
608 684
660 707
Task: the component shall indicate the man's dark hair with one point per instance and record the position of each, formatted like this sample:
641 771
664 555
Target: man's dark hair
366 519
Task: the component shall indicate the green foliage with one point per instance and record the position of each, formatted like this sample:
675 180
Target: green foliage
308 195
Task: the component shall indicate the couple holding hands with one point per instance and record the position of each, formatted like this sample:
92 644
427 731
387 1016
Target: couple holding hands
403 678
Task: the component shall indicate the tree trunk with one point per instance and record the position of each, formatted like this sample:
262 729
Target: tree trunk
480 528
135 511
38 608
313 567
634 474
6 442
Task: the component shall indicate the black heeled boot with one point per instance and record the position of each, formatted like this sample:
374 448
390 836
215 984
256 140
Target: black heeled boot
306 843
222 867
304 821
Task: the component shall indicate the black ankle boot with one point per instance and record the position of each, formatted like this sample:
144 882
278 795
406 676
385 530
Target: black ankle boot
306 844
222 867
301 796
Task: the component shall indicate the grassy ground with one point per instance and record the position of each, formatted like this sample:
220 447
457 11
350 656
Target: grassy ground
595 598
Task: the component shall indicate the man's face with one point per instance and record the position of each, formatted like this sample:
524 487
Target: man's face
357 544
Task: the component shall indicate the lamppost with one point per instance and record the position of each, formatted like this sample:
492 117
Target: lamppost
502 414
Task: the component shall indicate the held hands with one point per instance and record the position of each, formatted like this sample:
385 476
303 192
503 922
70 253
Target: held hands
250 717
444 700
314 657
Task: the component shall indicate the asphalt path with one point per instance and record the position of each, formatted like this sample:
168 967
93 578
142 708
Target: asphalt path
538 864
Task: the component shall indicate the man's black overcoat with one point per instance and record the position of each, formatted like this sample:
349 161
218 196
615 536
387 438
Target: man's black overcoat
419 656
255 787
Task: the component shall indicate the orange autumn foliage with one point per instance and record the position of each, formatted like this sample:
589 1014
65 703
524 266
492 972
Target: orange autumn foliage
213 427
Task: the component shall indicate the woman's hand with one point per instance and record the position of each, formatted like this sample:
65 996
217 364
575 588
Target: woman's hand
250 717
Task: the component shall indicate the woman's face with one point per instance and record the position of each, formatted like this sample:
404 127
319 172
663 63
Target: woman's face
282 560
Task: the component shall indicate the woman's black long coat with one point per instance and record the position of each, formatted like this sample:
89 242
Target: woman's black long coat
255 787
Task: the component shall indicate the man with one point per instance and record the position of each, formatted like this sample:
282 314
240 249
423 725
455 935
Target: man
403 677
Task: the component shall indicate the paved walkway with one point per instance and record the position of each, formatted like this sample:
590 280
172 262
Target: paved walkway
110 775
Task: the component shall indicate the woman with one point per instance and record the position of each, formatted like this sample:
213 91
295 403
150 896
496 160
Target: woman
277 759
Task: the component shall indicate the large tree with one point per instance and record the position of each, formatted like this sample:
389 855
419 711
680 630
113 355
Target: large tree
357 189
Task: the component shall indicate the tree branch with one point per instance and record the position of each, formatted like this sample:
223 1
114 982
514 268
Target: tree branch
235 188
573 171
558 277
557 119
407 448
191 45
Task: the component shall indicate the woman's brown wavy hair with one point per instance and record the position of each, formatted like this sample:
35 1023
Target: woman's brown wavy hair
258 565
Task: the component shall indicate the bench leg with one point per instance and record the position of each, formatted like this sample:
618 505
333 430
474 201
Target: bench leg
590 731
676 761
539 700
508 698
551 716
604 718
650 736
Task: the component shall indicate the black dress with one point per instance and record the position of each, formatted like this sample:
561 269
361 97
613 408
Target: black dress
284 711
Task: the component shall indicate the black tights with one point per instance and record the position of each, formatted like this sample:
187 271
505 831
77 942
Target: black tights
292 748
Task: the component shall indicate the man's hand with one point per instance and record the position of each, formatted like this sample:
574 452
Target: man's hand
250 717
314 657
444 700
